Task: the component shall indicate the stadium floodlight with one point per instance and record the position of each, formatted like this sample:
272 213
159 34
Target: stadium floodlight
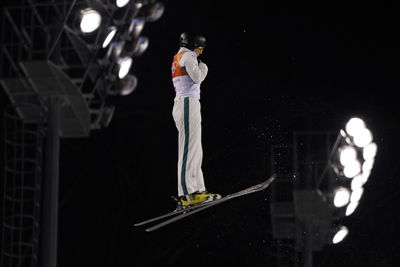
123 86
364 176
341 197
124 65
354 126
142 46
369 151
363 137
134 8
347 155
138 46
357 182
352 169
367 165
119 59
340 235
154 12
109 35
366 170
128 84
90 20
105 116
351 208
136 27
356 194
357 152
121 3
115 50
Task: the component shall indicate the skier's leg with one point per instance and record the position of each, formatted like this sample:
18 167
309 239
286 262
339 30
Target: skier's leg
187 116
178 115
194 177
197 148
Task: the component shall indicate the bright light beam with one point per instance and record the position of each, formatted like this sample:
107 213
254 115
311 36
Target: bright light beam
124 66
354 126
363 137
121 3
90 20
369 151
129 85
342 197
347 155
356 195
111 31
351 208
340 235
352 169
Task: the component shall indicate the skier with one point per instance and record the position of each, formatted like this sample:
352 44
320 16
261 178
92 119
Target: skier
187 74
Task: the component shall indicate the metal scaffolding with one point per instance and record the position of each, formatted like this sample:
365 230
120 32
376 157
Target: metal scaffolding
301 215
33 75
55 81
22 189
282 207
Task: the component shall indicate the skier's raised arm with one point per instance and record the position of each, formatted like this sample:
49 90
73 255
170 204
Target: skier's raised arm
197 71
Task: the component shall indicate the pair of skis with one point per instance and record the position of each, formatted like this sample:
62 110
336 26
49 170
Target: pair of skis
183 213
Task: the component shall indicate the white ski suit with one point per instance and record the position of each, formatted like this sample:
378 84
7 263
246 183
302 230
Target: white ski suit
187 75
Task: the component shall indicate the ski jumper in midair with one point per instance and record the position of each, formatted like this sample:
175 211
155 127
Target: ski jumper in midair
187 76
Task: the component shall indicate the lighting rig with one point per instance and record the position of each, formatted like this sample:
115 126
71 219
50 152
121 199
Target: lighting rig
321 182
350 164
60 62
107 35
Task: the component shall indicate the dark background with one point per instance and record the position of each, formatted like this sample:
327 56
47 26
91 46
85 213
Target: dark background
274 68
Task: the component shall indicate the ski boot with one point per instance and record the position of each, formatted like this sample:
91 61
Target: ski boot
195 198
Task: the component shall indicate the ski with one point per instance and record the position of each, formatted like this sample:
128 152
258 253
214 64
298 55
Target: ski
172 213
180 214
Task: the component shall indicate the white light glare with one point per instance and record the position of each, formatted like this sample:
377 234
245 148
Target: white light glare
121 3
364 176
140 46
356 195
367 165
347 155
124 66
90 20
129 85
156 12
340 235
354 126
342 197
136 27
351 208
363 138
110 35
352 169
144 43
115 49
369 151
357 182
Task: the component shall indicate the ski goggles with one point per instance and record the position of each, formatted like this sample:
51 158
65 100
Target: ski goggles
200 48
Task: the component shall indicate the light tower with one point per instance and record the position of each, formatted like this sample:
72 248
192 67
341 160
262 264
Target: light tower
59 64
321 178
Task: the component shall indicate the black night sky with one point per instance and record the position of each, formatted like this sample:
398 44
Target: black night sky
275 67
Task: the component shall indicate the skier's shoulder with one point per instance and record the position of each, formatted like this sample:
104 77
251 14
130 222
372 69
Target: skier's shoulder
187 54
186 50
